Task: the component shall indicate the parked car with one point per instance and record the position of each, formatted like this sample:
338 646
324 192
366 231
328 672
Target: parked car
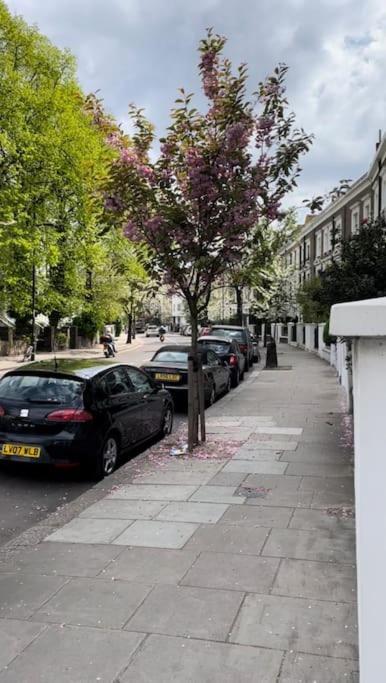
87 412
170 366
256 352
242 335
229 351
188 331
152 331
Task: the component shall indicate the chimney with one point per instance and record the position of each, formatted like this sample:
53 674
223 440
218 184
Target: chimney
377 145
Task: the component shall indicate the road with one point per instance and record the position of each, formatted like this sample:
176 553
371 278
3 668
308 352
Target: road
28 494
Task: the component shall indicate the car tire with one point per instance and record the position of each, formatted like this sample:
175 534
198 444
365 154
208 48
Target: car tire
236 379
211 396
107 459
228 386
167 421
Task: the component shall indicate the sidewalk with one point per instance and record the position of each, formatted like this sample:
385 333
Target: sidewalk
14 362
227 569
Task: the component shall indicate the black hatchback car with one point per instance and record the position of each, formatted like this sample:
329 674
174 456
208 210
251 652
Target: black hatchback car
86 412
229 351
242 335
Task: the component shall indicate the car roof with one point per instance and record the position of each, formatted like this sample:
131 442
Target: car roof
228 327
64 367
211 337
174 347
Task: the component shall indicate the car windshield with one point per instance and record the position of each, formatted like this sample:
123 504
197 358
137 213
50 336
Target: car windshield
171 356
38 389
217 346
239 335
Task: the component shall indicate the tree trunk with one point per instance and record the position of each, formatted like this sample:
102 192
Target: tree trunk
129 327
193 387
239 302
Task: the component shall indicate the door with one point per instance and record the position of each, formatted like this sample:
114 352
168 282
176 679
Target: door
219 371
123 405
152 401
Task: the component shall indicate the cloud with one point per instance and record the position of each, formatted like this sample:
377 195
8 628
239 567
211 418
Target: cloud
141 51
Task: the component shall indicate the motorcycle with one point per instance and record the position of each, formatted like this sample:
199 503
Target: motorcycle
108 350
162 337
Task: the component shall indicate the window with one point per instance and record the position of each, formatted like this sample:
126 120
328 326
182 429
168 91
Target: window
326 239
217 346
354 221
212 358
307 251
318 244
116 382
139 380
171 356
366 209
36 389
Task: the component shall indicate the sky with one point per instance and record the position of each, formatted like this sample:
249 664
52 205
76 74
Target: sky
141 51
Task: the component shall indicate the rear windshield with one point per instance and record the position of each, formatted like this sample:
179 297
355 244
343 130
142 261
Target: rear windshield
219 347
172 356
239 335
38 389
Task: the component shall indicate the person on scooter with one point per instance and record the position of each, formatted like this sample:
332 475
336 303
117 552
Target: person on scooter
161 332
108 344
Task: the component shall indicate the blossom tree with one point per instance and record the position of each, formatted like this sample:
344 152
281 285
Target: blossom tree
217 174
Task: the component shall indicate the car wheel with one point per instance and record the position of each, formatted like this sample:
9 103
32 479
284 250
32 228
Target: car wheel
236 379
228 386
211 396
167 421
107 459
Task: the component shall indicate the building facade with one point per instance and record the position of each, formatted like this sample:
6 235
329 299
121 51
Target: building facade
321 235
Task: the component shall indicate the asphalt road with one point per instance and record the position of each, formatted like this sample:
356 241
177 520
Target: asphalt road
29 493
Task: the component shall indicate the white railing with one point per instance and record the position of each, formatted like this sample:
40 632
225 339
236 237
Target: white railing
365 323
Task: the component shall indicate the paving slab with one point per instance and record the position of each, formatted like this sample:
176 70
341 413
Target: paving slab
152 492
232 479
303 668
318 580
164 659
156 534
277 498
93 602
200 513
123 509
15 636
195 477
310 626
83 530
318 469
276 431
64 559
258 454
232 572
255 467
327 485
312 545
274 481
229 538
150 565
218 494
319 519
257 516
185 611
68 654
22 594
265 442
328 499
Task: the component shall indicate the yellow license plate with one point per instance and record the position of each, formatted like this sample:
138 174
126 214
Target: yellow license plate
20 449
166 377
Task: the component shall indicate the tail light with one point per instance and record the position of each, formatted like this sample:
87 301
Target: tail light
2 411
232 359
70 415
243 348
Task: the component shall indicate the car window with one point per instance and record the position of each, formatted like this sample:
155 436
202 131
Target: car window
212 358
217 346
116 382
139 380
35 388
239 335
170 356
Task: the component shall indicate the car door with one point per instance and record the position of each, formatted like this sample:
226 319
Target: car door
152 401
117 396
219 371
